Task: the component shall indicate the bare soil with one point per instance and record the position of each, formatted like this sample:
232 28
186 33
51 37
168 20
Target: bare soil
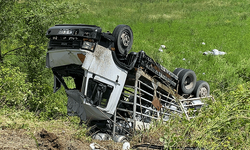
20 139
43 140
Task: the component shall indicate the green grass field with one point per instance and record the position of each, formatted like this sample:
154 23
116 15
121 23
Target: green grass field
182 26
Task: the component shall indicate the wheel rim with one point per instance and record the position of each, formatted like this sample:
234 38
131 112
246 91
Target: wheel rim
125 38
203 92
189 83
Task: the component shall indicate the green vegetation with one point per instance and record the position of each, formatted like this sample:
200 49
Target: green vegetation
181 25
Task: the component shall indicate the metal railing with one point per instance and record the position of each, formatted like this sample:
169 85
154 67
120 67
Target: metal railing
137 102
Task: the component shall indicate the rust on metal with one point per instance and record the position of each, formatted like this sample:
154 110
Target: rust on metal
164 87
156 68
81 57
156 103
161 71
167 75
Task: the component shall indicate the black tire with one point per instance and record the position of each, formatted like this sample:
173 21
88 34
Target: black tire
202 89
187 80
177 71
123 39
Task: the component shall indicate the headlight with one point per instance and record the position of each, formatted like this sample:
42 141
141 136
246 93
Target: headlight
88 45
65 31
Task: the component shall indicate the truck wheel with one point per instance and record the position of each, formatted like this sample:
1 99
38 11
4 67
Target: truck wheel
187 80
201 89
123 39
177 71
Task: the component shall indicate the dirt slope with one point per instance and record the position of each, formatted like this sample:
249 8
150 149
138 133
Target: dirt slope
44 140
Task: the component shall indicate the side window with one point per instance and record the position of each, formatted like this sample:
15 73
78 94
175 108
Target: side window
98 93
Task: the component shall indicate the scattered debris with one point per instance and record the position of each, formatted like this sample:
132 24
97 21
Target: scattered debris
161 48
184 59
102 136
92 146
95 146
126 146
214 52
203 43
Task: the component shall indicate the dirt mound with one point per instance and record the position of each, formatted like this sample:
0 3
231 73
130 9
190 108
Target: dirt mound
49 141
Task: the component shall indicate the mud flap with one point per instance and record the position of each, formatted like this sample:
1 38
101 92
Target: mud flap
75 104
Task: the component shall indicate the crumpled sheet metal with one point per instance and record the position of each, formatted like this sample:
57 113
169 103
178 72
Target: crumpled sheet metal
75 104
78 107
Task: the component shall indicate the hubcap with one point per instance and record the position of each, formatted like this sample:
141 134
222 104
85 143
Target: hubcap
188 83
125 38
203 92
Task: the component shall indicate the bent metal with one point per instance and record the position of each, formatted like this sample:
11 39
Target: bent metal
114 90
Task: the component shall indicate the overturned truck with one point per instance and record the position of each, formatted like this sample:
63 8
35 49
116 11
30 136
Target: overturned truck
114 90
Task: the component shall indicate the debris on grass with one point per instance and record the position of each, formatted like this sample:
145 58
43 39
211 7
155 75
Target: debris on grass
126 146
95 146
162 47
214 52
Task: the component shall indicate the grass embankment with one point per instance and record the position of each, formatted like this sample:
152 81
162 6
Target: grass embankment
182 26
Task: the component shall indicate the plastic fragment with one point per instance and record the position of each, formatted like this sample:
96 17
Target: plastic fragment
203 43
214 52
161 48
126 146
94 146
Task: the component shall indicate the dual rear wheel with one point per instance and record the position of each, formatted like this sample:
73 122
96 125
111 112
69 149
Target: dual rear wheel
188 85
